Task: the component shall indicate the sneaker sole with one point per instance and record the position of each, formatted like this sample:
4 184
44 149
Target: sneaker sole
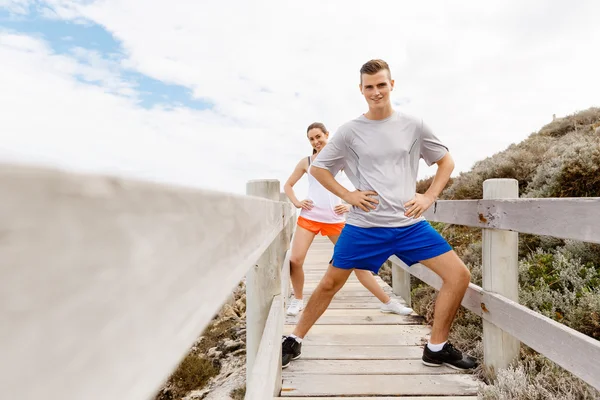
391 312
288 364
447 365
432 364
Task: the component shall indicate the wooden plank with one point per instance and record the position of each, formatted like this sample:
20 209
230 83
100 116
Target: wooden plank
350 286
365 367
265 376
105 283
442 397
363 352
360 317
351 293
378 385
355 305
566 218
383 335
350 299
558 342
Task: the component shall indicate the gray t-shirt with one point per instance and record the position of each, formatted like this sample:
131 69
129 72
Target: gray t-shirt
382 156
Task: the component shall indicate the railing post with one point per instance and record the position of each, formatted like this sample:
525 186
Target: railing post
401 283
263 280
500 275
288 232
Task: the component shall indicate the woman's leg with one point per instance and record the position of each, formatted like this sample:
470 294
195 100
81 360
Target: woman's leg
300 244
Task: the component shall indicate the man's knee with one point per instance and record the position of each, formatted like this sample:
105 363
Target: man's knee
331 284
462 275
328 284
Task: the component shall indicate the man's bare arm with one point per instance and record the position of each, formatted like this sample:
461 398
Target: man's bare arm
442 176
421 202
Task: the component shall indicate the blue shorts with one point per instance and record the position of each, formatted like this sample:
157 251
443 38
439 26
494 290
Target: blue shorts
369 248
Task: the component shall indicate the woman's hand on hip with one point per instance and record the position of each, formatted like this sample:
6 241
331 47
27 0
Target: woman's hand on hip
305 205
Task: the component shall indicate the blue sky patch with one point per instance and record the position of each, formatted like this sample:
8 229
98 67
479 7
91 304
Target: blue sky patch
64 36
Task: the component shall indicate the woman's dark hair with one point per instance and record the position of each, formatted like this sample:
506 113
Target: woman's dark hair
317 125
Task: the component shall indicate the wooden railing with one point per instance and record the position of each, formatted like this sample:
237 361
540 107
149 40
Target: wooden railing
266 289
501 214
105 283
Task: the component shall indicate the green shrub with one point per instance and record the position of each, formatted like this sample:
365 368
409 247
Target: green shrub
558 278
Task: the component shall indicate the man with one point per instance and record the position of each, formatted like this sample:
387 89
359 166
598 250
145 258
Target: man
380 153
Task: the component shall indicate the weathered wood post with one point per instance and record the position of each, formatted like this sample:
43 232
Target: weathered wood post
263 280
401 283
286 238
500 275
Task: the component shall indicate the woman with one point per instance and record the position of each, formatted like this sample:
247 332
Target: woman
322 212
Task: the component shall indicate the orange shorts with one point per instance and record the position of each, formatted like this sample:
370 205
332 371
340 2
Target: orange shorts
316 227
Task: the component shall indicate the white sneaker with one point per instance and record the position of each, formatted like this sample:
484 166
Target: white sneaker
395 307
296 305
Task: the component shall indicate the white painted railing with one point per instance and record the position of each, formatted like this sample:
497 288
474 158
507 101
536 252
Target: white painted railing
105 283
501 215
266 289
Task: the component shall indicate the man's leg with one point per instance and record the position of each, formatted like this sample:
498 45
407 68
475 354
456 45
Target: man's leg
330 284
350 251
456 278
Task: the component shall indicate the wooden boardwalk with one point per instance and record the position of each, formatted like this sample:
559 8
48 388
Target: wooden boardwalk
355 351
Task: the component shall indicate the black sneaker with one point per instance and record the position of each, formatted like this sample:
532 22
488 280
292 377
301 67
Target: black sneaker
448 356
290 350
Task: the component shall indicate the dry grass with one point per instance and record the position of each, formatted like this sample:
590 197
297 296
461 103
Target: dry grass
195 370
238 394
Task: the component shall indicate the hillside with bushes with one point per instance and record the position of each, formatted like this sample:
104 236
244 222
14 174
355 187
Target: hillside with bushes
558 278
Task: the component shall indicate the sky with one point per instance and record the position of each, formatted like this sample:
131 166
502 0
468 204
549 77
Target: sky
213 94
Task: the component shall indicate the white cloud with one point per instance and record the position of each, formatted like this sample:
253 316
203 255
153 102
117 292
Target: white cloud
16 6
483 75
50 117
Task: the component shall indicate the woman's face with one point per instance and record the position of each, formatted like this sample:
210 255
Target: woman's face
317 138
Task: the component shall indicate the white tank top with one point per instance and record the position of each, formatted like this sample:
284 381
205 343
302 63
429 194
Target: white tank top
323 200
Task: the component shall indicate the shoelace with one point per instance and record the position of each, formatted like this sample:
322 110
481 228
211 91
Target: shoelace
452 350
295 303
288 344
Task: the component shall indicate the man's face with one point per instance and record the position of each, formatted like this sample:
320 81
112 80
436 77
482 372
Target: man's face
376 89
